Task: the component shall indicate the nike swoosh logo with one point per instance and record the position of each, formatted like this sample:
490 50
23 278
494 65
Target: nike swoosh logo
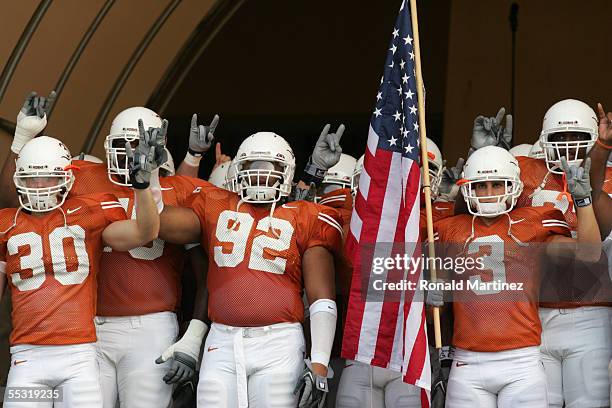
287 206
213 348
19 362
72 210
459 364
197 190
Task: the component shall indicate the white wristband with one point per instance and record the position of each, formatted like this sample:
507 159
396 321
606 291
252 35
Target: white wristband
323 316
191 160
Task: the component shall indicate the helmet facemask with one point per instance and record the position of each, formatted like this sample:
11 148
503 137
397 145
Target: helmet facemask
44 190
491 205
261 180
574 146
435 177
116 158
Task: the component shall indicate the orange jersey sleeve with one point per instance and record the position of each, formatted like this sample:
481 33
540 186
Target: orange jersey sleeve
342 201
51 267
485 320
255 269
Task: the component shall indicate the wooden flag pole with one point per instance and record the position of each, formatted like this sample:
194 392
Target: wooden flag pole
425 162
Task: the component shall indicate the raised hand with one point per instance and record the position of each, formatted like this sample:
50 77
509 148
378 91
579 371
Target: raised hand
153 137
491 132
449 189
220 158
578 180
148 155
200 136
327 151
605 125
31 119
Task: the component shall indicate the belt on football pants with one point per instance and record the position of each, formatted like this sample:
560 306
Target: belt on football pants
239 334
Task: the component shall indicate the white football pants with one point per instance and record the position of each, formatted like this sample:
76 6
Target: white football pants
504 379
71 368
255 367
576 349
127 349
362 385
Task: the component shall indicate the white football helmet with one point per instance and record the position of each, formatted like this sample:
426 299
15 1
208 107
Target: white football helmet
125 129
340 175
43 174
168 167
218 176
521 150
536 151
356 175
436 166
264 167
569 115
491 163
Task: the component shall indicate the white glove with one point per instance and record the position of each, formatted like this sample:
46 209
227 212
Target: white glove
184 353
490 132
311 388
201 137
449 189
31 119
327 151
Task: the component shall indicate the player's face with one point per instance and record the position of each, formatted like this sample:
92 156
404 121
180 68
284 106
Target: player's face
120 144
41 182
263 179
564 137
488 189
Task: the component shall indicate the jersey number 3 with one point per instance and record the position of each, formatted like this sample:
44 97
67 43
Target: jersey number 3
234 227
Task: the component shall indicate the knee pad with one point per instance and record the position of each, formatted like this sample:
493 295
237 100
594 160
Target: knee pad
212 393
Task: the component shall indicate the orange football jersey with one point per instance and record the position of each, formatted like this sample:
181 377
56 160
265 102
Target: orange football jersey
553 194
146 279
483 321
341 200
255 267
51 268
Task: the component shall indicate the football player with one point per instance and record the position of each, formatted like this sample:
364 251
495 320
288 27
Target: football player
263 254
50 251
601 177
136 321
576 336
497 361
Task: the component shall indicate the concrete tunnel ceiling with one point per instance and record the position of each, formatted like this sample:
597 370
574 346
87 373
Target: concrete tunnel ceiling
100 55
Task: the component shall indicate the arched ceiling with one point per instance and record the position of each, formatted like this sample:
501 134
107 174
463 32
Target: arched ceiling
101 56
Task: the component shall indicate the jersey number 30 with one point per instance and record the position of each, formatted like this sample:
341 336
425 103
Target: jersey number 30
234 227
58 239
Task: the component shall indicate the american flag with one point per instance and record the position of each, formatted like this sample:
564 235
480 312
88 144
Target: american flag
390 333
